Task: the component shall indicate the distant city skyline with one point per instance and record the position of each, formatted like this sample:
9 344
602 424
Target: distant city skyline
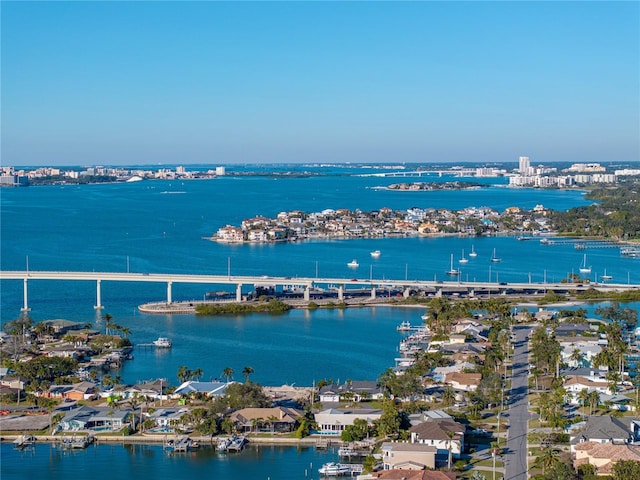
153 83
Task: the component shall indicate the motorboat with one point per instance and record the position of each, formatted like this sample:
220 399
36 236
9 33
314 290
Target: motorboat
162 342
353 264
375 254
333 469
404 327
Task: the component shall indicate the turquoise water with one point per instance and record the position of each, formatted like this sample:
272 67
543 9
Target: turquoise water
148 461
99 227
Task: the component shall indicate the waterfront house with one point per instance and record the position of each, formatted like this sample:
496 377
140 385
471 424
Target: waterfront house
440 433
165 418
607 429
333 421
230 234
409 456
275 419
61 327
94 418
604 455
356 391
211 389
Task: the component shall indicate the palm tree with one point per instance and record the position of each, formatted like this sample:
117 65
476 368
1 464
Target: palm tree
228 374
577 356
246 372
448 396
583 396
107 322
450 436
197 373
594 400
183 373
548 458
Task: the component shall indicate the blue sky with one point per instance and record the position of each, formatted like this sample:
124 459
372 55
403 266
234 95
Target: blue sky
227 82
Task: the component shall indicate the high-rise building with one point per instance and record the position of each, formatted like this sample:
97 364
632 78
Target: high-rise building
524 167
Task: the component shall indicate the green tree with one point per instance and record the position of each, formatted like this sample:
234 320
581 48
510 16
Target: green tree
626 470
388 425
548 458
246 372
227 374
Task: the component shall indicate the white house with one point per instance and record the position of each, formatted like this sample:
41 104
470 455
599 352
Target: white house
333 421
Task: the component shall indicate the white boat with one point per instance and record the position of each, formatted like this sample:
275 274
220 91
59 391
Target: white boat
353 264
453 271
333 469
583 267
404 327
375 254
162 342
222 444
424 316
605 276
463 260
494 258
472 253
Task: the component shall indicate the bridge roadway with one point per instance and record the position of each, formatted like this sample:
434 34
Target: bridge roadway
306 282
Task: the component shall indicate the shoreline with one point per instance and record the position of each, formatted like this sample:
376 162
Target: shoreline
160 439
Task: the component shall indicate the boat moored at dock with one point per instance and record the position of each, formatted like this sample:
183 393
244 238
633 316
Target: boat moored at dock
333 469
162 342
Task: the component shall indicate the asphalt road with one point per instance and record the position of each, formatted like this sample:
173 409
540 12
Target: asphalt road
515 459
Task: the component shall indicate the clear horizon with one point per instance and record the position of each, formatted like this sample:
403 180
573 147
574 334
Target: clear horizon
206 83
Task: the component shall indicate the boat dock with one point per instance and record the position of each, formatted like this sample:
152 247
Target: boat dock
77 443
24 441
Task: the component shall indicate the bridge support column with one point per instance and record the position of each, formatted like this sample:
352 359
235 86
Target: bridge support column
307 293
239 292
25 307
373 292
169 299
406 293
98 305
341 292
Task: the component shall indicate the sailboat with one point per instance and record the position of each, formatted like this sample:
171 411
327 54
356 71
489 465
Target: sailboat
473 252
452 271
463 260
583 267
605 276
495 259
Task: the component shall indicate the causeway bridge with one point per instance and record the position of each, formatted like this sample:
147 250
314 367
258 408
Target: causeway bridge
340 287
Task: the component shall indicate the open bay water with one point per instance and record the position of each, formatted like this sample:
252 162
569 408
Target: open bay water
158 227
